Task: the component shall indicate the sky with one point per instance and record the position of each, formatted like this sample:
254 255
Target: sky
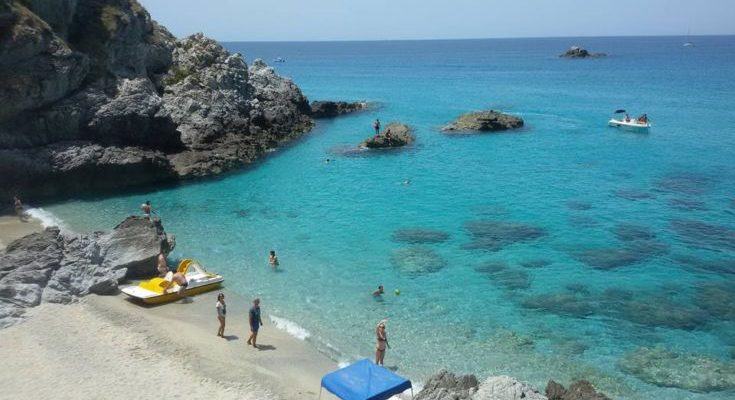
308 20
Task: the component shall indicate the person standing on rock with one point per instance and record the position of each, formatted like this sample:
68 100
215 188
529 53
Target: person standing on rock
376 126
382 339
147 209
18 205
221 314
255 322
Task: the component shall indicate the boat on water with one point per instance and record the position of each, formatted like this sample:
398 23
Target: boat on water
640 124
279 60
161 290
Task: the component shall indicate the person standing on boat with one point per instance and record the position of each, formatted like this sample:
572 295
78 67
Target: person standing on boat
382 342
376 126
255 322
221 313
627 117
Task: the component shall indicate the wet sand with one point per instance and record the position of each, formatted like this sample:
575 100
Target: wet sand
12 228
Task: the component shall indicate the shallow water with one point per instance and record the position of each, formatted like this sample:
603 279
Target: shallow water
545 227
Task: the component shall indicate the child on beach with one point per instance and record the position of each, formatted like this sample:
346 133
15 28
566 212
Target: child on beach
221 313
273 259
255 322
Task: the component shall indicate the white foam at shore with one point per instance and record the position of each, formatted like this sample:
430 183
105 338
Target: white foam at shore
46 218
290 327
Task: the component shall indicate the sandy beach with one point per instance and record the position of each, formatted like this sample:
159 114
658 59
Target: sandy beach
107 347
11 228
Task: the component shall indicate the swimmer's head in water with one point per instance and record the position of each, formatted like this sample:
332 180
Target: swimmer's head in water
147 202
273 252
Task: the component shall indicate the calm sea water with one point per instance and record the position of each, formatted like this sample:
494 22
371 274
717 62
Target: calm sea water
570 244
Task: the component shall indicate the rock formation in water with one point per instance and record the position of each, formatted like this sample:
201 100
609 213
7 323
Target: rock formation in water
394 135
448 386
331 109
96 95
57 267
579 52
484 121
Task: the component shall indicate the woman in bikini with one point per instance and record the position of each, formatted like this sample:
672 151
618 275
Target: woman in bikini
382 339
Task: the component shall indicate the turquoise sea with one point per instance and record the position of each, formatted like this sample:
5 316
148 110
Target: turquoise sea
568 245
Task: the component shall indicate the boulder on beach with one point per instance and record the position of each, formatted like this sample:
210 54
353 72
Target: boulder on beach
446 385
580 52
484 121
394 135
579 390
57 267
331 109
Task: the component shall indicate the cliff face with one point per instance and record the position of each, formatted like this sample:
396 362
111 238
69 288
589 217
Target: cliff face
94 94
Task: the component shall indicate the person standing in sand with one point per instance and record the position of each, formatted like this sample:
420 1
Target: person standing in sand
382 339
221 313
255 322
18 205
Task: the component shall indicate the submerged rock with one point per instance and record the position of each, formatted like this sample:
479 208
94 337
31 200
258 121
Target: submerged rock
538 263
695 372
417 260
717 299
579 390
579 52
419 235
629 232
52 266
331 109
705 235
494 235
394 135
560 303
689 183
484 121
688 205
579 205
634 194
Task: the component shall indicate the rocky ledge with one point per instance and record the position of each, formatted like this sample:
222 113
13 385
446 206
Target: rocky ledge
448 386
331 109
94 94
484 121
395 134
57 267
579 52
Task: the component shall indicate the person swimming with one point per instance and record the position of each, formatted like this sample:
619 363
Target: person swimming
379 291
273 259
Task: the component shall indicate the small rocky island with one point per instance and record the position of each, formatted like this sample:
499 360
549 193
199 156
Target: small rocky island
331 109
484 121
394 135
580 52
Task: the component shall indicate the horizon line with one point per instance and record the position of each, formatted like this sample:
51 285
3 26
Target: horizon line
468 38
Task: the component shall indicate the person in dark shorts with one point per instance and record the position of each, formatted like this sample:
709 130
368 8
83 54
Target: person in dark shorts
376 126
255 322
221 314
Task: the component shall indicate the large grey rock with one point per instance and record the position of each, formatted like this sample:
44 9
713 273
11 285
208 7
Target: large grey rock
331 109
579 390
484 121
447 386
579 52
395 134
97 85
56 267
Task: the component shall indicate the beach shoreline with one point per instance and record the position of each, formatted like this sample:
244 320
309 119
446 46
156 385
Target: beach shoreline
69 351
13 228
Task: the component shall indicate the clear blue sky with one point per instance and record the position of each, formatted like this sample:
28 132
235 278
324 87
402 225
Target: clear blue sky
249 20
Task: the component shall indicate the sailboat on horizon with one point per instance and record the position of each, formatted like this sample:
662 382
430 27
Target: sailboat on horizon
688 42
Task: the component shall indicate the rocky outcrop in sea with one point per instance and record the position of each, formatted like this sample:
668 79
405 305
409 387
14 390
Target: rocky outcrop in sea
331 109
448 386
484 121
96 95
395 134
58 267
579 52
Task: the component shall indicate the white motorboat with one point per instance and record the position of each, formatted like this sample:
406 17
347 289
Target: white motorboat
632 124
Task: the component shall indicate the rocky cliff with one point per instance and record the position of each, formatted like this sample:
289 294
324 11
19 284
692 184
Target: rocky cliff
57 267
96 95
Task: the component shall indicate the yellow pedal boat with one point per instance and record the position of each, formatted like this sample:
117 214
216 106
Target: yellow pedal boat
162 290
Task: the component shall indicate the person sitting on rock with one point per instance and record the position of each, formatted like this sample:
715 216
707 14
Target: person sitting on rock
161 265
388 135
